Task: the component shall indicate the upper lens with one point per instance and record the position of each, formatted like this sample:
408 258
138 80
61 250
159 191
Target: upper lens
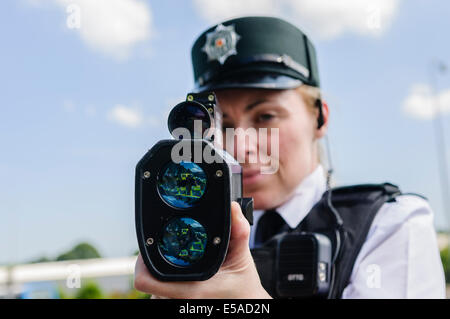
183 241
182 185
185 114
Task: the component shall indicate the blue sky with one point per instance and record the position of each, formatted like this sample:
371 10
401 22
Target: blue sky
80 107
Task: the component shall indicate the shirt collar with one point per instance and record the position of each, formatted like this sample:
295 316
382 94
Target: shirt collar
305 196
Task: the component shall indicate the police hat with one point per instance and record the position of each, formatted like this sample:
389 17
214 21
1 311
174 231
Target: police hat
254 52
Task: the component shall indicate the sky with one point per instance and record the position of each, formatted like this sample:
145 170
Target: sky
86 86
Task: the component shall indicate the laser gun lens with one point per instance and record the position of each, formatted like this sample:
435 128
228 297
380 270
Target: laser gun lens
182 185
183 242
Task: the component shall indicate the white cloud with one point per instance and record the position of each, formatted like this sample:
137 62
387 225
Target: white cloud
422 104
113 27
133 117
216 10
331 18
126 116
320 18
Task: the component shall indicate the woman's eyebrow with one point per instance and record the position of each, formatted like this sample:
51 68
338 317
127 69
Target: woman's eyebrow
254 104
250 106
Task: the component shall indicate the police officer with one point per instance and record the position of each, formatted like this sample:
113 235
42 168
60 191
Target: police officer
264 73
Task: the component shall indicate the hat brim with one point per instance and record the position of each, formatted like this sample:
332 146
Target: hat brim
255 80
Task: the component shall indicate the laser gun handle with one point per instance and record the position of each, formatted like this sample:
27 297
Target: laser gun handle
246 204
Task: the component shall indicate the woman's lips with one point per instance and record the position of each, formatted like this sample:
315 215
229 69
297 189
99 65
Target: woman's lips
251 176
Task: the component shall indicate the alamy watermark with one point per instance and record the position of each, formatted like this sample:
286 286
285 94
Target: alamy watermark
73 20
373 18
249 146
73 279
373 279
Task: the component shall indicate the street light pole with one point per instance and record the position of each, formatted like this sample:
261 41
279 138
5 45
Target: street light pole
439 68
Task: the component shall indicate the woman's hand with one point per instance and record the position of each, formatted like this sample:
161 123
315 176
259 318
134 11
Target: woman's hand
236 278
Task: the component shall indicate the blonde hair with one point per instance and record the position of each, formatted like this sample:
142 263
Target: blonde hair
310 95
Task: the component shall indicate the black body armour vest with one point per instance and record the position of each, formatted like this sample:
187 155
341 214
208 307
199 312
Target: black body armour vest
357 206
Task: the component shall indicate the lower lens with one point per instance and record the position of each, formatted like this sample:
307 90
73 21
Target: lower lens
183 241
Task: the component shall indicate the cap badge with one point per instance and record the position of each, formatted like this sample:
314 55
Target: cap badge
221 43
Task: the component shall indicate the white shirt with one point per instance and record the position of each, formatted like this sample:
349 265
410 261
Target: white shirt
400 257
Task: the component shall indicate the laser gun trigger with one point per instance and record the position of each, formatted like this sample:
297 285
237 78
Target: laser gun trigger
246 204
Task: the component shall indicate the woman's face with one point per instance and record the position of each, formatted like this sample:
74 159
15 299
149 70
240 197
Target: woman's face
297 155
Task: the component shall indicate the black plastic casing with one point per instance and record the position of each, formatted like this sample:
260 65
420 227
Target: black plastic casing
298 260
213 210
295 265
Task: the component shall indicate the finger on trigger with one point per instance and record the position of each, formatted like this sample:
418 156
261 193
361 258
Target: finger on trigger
239 224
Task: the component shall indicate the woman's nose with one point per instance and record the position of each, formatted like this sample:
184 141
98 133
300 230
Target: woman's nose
244 144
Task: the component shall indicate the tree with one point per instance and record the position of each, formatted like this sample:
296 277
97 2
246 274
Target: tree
446 263
42 259
80 251
90 290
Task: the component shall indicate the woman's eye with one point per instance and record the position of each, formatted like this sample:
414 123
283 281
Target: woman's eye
265 117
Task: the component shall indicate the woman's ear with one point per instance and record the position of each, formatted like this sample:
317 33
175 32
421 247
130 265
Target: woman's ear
322 126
